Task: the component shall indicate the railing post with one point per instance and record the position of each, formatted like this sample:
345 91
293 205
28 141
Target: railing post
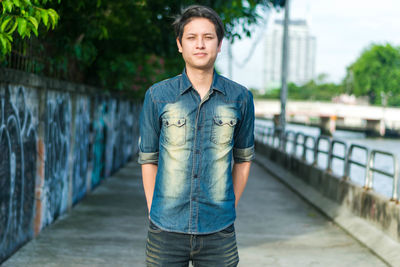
368 172
316 144
395 180
304 156
346 172
330 157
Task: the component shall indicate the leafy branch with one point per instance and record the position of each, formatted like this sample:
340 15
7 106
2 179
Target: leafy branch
22 17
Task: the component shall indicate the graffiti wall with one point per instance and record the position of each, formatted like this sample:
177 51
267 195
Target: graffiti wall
18 126
115 130
56 145
123 128
99 137
110 136
81 148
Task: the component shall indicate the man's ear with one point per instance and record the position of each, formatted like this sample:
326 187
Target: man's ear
178 43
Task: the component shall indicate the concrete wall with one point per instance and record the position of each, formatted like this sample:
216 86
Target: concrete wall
366 204
58 141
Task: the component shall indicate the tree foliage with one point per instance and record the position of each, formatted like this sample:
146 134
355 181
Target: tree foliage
376 74
128 44
23 17
314 90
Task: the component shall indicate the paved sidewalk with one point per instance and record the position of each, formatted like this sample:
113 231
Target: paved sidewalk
274 228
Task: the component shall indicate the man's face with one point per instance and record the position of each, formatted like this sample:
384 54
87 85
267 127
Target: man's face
199 45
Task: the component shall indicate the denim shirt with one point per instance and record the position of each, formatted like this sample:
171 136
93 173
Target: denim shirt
193 141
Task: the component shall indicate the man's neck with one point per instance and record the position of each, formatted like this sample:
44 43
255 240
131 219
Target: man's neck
200 79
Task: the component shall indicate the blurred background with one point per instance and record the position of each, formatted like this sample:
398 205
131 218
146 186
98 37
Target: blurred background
343 56
340 47
74 123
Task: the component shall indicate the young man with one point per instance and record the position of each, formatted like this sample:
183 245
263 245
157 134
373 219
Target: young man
191 126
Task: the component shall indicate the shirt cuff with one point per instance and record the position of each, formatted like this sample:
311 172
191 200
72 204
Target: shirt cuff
150 157
243 154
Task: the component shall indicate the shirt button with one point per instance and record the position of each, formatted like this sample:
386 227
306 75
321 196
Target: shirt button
197 151
195 176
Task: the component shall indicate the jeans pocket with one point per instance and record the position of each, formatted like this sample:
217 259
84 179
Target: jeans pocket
154 228
228 231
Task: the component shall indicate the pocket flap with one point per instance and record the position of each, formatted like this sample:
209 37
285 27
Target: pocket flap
174 121
224 120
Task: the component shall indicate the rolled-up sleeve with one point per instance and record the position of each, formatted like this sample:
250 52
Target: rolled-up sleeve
243 149
149 131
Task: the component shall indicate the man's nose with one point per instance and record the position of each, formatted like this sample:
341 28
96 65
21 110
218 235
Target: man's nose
200 43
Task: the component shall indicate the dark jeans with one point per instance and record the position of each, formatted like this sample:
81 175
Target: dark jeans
176 249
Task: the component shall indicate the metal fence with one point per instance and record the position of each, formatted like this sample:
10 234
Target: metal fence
311 150
32 56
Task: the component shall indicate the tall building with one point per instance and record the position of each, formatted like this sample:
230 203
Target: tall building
302 49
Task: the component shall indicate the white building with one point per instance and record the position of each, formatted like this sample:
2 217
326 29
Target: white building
302 50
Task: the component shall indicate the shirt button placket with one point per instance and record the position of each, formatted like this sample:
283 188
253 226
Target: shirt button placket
197 155
196 167
195 191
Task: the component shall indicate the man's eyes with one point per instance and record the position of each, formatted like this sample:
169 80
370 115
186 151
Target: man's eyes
206 37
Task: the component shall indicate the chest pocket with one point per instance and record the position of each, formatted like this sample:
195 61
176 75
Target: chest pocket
174 131
222 130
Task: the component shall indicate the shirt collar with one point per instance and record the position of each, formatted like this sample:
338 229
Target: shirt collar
217 83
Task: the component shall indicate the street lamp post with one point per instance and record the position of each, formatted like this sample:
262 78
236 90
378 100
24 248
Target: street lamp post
230 60
285 66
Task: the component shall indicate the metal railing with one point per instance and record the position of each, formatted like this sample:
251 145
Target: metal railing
333 154
310 145
318 150
299 143
33 56
371 169
289 139
350 161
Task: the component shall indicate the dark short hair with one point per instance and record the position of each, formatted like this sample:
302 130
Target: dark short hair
198 11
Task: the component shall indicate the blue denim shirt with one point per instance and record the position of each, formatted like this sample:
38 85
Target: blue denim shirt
193 141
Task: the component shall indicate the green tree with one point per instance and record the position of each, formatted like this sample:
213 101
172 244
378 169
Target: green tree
130 44
318 89
23 17
376 74
314 90
127 44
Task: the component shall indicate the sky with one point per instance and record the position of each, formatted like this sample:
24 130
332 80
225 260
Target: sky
343 29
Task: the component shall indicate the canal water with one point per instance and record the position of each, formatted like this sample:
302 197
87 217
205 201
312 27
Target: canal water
381 183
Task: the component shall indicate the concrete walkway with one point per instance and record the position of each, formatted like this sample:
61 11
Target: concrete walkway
274 228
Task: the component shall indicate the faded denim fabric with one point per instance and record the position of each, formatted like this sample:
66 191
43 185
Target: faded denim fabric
193 141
